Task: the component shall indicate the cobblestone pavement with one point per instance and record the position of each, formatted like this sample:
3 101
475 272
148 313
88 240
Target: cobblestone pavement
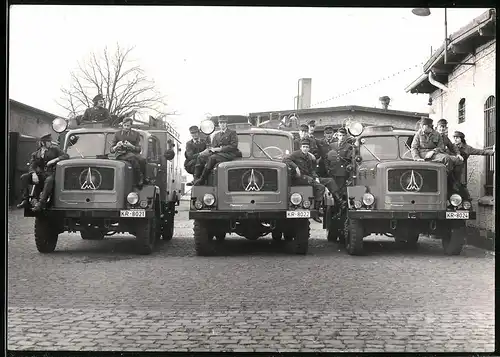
91 295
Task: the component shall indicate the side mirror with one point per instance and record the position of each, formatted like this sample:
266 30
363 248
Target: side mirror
72 140
207 127
59 125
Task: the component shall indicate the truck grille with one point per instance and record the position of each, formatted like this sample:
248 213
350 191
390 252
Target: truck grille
252 180
79 178
412 180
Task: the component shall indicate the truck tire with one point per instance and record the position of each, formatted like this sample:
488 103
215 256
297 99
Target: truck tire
452 243
89 235
203 239
354 234
45 235
301 239
147 234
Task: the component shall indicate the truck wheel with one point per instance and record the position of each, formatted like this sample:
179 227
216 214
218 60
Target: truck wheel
301 239
45 235
147 234
276 235
354 235
452 243
203 239
92 235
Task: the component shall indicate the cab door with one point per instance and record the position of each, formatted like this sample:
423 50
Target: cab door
154 170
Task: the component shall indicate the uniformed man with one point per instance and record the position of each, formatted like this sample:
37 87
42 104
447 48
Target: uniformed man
465 151
41 172
442 129
338 158
427 144
315 144
193 148
224 147
305 173
328 138
303 130
325 145
126 145
98 113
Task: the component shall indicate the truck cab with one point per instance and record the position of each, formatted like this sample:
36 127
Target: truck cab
393 195
252 196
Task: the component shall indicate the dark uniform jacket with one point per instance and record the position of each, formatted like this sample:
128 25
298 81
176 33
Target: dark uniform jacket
38 163
338 158
467 150
228 141
96 114
424 142
449 147
193 149
132 137
303 161
313 145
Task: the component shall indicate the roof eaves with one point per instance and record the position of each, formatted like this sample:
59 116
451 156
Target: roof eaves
33 109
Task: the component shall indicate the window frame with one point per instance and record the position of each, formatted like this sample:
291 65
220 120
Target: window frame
461 110
489 112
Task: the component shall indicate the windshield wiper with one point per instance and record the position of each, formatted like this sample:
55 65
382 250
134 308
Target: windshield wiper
78 151
263 151
375 156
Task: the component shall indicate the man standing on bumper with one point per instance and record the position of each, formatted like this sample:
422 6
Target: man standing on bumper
224 147
338 158
41 172
304 166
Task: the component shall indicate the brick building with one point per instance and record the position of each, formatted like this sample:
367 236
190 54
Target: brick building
27 120
462 91
335 117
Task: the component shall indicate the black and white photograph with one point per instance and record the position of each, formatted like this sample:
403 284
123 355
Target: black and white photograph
250 179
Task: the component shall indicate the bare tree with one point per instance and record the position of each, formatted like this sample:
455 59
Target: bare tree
123 84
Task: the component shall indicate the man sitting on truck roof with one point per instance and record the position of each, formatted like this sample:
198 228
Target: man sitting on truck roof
96 114
224 147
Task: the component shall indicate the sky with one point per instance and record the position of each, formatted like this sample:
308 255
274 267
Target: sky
231 60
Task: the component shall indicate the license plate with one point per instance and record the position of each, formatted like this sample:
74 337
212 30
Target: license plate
298 214
133 213
457 215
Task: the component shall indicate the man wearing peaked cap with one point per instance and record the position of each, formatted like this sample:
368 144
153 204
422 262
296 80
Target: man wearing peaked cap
428 144
41 172
465 151
194 147
339 158
450 149
224 147
98 113
304 168
324 146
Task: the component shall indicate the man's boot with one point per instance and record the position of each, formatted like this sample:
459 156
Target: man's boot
203 177
197 174
339 200
315 216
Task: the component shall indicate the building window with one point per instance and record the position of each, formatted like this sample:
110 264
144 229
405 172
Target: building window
490 131
461 111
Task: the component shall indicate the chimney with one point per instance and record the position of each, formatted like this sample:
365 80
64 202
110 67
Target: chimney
304 95
385 100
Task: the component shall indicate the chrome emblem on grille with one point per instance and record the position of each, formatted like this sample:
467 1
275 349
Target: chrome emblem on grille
411 181
252 180
90 179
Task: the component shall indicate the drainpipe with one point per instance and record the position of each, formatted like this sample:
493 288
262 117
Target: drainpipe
436 83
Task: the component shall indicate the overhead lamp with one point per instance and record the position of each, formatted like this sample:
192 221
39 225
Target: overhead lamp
421 11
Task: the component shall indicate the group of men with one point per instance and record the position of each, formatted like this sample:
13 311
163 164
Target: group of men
435 145
126 146
317 162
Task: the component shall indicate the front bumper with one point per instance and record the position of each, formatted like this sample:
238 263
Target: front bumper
88 214
240 215
437 215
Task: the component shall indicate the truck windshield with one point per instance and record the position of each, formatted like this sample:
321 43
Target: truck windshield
405 146
383 147
88 144
276 146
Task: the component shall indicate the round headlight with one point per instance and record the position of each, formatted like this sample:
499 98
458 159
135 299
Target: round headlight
143 204
355 128
296 198
455 200
207 127
59 125
209 199
368 199
357 204
467 205
132 198
198 204
306 204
